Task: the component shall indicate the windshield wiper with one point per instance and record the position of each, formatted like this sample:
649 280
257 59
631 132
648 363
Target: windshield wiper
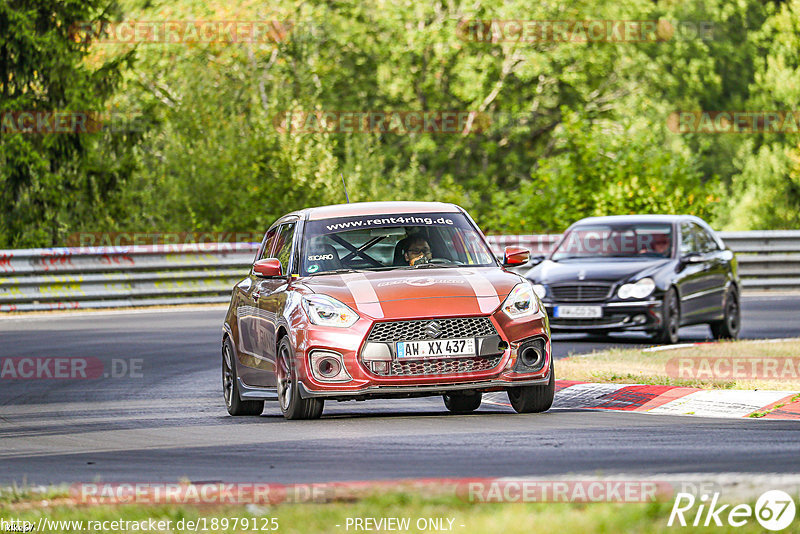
337 271
429 265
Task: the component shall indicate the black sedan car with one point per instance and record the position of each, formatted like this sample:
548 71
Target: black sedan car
650 273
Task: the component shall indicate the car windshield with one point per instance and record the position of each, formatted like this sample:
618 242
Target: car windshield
381 242
616 241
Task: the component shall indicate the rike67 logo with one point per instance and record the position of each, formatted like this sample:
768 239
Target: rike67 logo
774 510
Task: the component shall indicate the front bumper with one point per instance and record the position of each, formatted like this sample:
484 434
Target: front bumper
500 349
643 315
419 390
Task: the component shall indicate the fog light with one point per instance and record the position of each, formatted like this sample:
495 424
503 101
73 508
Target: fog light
380 368
531 356
640 319
328 366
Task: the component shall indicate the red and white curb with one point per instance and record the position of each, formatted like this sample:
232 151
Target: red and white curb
673 400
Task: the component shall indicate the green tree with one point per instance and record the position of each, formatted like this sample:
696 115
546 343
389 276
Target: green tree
600 169
50 182
766 188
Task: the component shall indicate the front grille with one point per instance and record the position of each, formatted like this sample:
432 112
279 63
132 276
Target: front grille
443 366
416 330
581 292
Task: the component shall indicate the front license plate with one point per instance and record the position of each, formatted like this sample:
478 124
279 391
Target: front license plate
578 312
436 348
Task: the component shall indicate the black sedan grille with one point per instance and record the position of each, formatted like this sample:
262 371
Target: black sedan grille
462 327
581 292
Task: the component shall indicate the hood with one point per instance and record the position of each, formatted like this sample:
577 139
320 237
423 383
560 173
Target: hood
409 294
551 272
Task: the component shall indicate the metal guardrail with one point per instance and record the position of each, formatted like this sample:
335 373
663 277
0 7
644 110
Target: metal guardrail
768 260
102 277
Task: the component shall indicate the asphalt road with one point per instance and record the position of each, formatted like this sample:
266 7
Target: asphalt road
762 318
165 419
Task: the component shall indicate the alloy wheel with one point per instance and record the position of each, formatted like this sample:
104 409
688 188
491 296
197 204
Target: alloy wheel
674 316
284 378
732 315
227 375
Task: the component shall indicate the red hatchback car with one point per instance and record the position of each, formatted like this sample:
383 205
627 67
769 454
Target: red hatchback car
383 300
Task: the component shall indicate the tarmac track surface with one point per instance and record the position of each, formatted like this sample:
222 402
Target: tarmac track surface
168 422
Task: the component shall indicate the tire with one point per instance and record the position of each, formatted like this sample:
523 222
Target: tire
533 399
671 313
292 406
230 385
729 326
461 402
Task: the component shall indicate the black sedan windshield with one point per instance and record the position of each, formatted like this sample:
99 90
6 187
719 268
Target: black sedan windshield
616 241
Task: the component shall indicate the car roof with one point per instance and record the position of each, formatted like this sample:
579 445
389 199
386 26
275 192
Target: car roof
628 219
375 208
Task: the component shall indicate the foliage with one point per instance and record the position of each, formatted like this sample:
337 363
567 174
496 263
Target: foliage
766 188
568 129
50 183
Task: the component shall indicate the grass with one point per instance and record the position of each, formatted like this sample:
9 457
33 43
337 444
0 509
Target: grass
757 415
633 366
333 517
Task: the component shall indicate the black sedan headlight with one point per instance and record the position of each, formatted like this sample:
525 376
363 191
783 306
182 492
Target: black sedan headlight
637 290
540 290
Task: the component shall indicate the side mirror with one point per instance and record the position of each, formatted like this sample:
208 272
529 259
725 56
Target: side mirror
692 258
515 256
268 268
536 260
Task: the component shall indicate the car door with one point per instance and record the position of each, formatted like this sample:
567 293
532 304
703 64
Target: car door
716 274
696 278
690 275
270 297
252 329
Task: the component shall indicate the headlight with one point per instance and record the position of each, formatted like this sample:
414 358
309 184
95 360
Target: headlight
540 290
521 302
327 311
638 290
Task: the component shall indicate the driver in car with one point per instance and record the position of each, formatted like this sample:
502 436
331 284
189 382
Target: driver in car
417 251
658 245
